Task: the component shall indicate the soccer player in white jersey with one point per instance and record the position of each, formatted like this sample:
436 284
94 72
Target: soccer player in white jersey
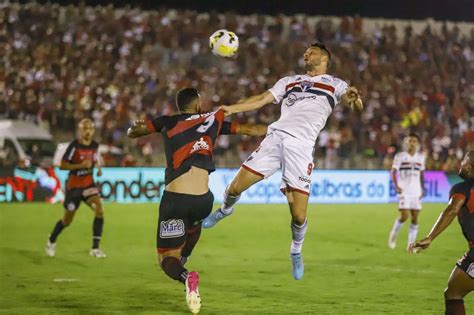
306 101
409 165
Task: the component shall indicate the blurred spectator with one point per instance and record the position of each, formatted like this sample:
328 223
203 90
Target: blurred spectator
63 63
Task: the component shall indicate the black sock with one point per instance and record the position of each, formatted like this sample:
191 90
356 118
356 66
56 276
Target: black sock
56 231
455 307
97 231
173 268
191 241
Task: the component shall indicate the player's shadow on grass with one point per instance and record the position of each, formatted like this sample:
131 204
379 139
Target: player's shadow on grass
37 258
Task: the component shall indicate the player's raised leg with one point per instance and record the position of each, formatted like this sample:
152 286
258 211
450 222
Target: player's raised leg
397 225
459 285
245 178
413 231
298 202
58 228
95 203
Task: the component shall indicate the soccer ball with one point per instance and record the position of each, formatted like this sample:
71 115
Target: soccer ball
224 43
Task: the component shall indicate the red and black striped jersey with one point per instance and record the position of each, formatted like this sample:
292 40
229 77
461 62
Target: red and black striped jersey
466 214
75 154
189 140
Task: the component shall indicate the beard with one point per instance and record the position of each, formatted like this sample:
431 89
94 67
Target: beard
308 67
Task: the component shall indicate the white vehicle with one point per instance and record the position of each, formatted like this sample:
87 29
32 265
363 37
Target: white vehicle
23 143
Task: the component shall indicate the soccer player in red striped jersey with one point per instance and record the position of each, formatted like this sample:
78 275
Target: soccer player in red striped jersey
80 158
461 205
189 139
306 102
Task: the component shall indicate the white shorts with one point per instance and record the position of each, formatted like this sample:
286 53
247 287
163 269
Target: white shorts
412 202
280 150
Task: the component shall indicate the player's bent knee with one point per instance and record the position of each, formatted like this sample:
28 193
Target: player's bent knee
162 254
452 294
298 218
234 189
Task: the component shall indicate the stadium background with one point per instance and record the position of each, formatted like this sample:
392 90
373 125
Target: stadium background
63 63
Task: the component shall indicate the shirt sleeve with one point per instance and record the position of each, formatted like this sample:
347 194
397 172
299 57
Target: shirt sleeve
458 189
228 128
156 124
69 153
279 89
340 87
396 162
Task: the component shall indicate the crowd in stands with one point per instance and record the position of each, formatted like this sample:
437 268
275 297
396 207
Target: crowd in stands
63 63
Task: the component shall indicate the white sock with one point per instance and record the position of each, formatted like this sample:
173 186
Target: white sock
412 233
229 202
397 225
297 232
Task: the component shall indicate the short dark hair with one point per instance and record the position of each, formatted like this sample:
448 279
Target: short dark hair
414 135
184 97
324 48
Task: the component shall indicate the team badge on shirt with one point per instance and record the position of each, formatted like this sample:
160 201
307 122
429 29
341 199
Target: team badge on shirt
306 85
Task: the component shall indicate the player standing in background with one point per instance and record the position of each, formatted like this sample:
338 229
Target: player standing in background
189 139
461 204
79 159
409 185
307 100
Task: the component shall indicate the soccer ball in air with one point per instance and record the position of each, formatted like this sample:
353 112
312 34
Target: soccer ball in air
224 43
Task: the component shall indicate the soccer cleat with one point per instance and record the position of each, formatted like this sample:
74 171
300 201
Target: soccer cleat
215 217
392 240
97 253
193 300
297 267
50 248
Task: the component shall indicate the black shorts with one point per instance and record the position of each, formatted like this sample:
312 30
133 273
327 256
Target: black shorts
466 263
180 214
74 196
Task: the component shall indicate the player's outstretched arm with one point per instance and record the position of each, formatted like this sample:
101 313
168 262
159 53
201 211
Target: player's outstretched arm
251 129
352 99
251 103
444 220
138 129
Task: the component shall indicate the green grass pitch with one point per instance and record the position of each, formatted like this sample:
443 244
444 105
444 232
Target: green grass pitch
243 263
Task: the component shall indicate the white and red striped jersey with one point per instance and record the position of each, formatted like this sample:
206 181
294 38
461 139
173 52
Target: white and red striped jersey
409 168
306 103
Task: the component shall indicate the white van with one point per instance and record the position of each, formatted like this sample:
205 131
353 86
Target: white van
23 143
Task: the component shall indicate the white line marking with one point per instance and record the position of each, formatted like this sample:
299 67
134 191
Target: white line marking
65 280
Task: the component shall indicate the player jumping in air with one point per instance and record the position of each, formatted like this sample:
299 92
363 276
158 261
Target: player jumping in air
307 100
79 159
410 165
189 139
461 204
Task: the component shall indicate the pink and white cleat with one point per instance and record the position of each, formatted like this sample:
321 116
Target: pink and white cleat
193 300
